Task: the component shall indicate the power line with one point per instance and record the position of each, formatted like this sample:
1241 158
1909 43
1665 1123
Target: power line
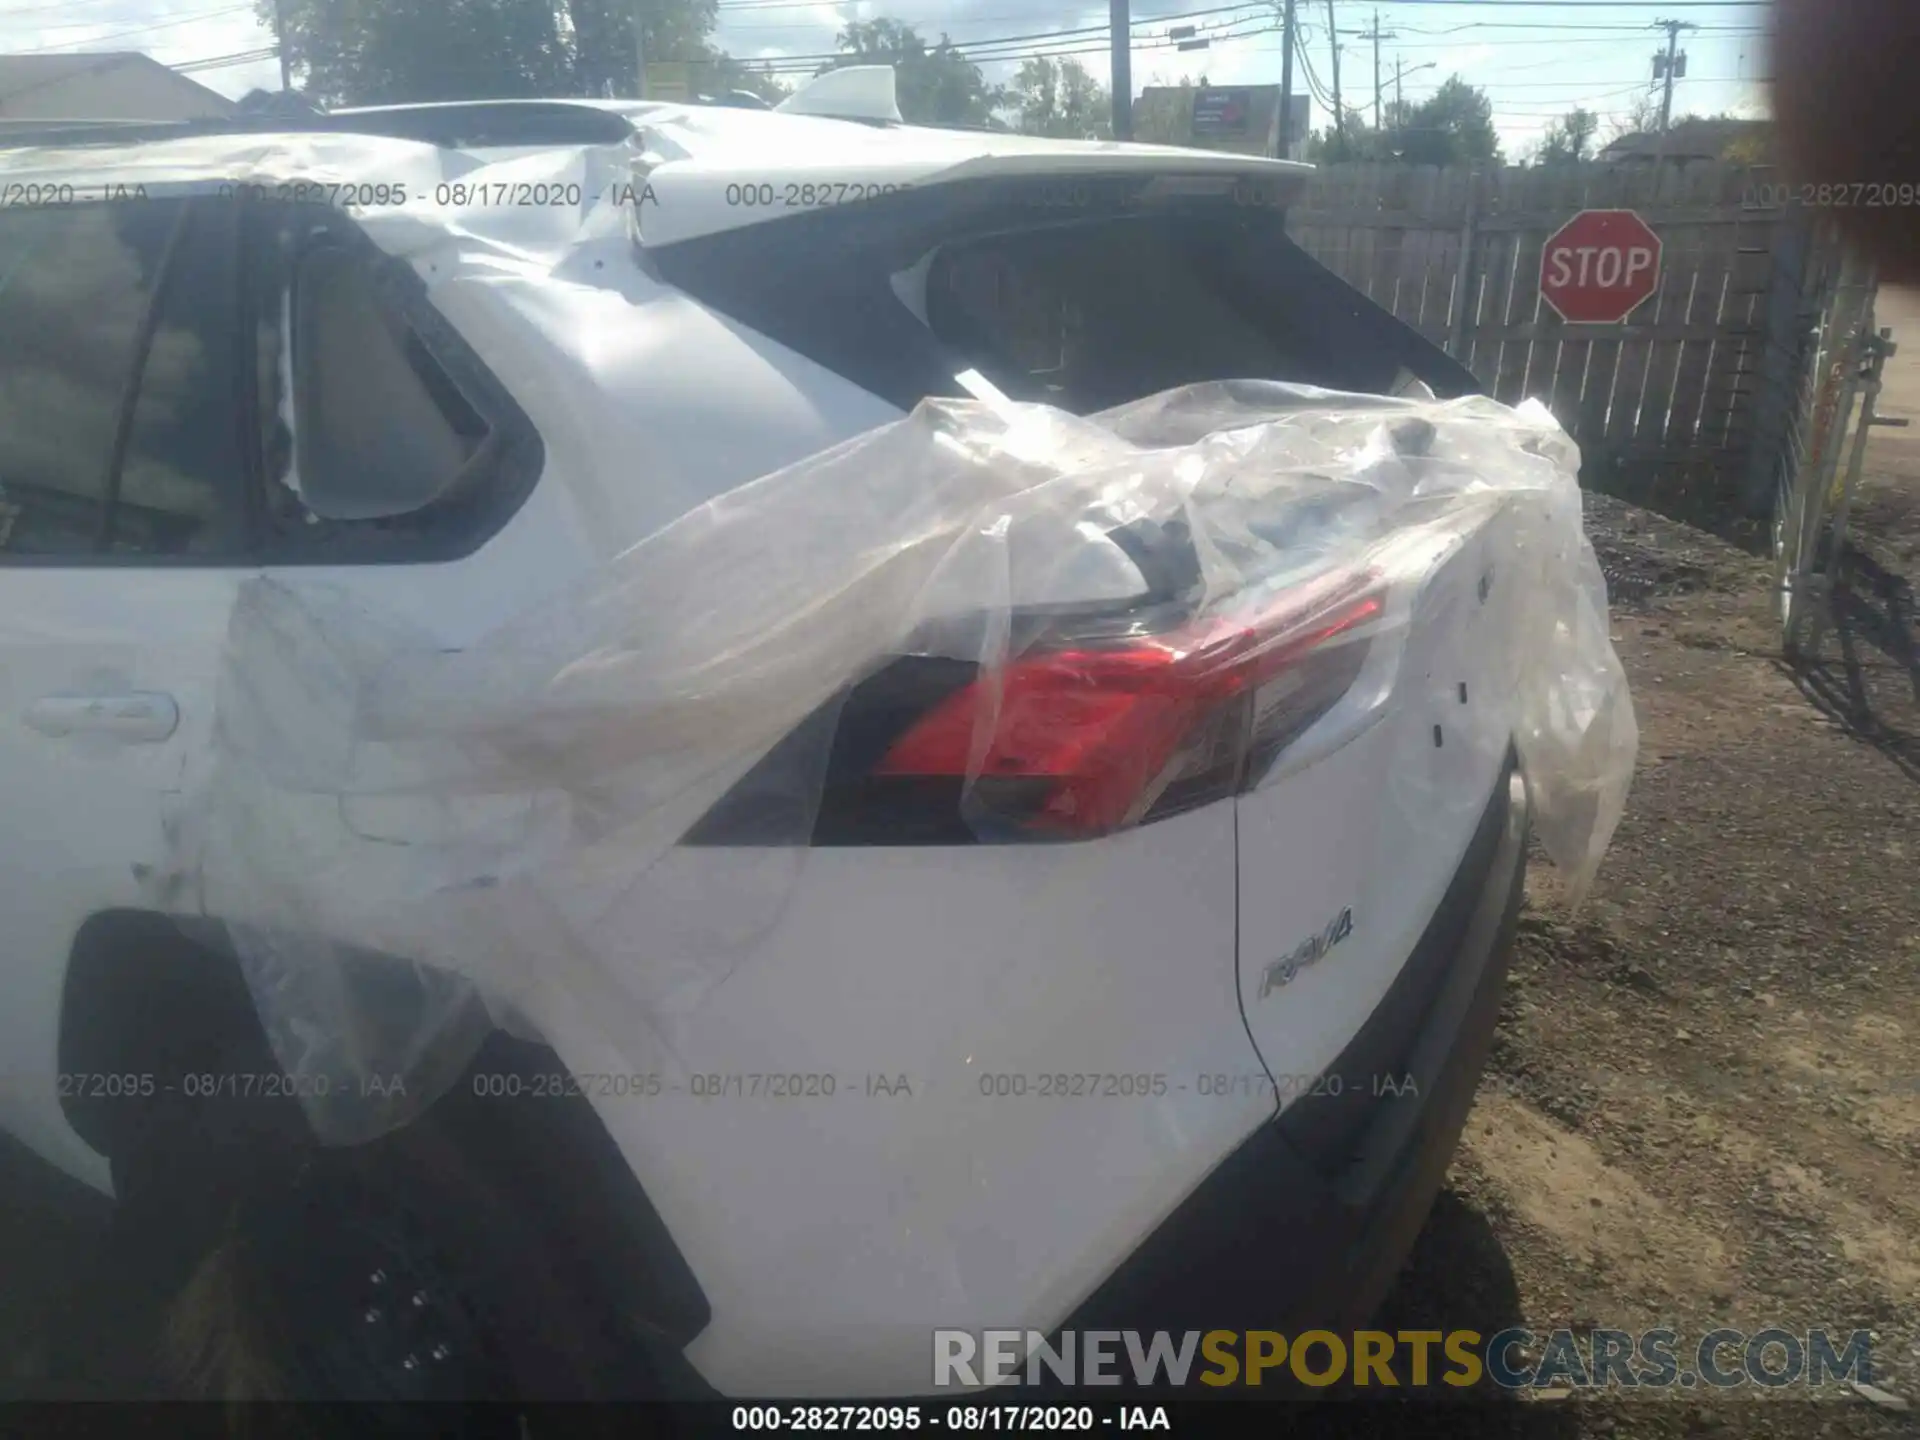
1631 37
1047 35
89 24
1073 46
784 65
1601 80
1663 66
1600 4
1035 40
220 62
43 9
1560 25
1048 38
1376 35
1046 43
1542 107
971 19
139 30
1314 82
1333 51
1083 40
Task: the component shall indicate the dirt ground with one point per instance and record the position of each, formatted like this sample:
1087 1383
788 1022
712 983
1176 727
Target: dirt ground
1703 1107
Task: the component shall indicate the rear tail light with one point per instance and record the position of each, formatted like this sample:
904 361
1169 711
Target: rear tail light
1081 740
1072 739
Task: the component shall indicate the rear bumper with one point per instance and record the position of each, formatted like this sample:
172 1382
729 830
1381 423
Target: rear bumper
1306 1225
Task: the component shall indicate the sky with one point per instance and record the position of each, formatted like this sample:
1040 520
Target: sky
1535 58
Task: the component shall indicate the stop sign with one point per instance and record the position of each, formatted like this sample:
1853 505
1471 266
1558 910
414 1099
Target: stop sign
1599 265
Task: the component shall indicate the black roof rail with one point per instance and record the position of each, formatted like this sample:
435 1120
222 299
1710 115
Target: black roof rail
459 125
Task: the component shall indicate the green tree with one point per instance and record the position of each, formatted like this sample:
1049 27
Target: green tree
1060 98
1569 139
368 52
1752 142
723 73
1358 140
1452 126
937 86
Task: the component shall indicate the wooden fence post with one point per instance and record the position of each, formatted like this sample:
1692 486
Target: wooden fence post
1464 272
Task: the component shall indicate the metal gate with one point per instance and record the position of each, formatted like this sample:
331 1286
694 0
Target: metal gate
1838 379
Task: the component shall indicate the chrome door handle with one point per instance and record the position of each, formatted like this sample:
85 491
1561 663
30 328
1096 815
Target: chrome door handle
144 717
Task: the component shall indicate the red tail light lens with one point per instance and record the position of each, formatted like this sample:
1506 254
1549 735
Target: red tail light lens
1081 740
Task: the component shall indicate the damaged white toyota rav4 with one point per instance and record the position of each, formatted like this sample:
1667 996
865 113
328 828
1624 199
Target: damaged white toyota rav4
572 837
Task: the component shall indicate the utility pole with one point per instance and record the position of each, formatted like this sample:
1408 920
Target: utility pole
280 44
1286 81
1120 82
1400 72
1339 113
1670 66
640 48
1376 35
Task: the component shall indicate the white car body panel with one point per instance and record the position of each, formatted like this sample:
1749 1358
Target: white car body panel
828 1234
648 404
85 811
1378 827
942 966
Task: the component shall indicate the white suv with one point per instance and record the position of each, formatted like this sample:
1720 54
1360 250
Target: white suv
448 359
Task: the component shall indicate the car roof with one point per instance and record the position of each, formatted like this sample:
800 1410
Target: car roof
693 128
690 158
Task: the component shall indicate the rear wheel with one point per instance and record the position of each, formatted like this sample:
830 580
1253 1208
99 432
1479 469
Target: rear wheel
245 1258
388 1275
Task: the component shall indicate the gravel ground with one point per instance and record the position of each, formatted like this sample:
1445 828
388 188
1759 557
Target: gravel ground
1703 1106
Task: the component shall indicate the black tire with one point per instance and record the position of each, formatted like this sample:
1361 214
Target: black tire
401 1277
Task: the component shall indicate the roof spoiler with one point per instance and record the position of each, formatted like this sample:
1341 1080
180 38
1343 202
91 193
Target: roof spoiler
854 92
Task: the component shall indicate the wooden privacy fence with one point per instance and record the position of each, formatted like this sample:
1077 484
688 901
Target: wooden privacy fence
1686 404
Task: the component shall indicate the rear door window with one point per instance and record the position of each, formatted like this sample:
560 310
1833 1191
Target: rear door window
117 382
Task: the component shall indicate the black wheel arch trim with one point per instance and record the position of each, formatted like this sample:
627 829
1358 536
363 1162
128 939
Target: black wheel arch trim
147 994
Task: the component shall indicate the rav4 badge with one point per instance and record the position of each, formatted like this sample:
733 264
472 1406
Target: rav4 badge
1307 952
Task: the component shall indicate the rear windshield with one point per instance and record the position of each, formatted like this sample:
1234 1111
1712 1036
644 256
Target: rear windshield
1089 316
1105 305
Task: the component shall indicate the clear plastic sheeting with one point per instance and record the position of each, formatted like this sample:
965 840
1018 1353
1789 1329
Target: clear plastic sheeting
605 803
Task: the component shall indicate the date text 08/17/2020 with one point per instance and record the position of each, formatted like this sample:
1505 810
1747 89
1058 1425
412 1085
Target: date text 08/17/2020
962 1419
990 1085
741 1085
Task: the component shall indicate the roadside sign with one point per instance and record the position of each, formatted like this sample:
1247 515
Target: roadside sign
1599 266
1221 112
669 80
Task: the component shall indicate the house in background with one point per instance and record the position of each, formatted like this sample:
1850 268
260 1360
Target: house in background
1694 137
122 85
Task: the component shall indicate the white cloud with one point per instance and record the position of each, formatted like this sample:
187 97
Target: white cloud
176 31
172 33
